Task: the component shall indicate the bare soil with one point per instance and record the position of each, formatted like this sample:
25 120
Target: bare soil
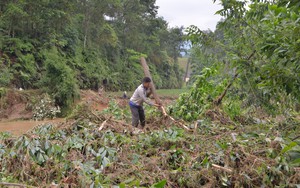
15 118
20 127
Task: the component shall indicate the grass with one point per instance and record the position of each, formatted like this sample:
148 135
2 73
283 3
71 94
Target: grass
174 93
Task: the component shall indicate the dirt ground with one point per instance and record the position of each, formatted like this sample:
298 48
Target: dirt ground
20 127
17 119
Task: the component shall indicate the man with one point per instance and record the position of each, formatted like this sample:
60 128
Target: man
136 102
125 95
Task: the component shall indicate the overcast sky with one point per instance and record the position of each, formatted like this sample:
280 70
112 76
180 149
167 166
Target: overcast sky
189 12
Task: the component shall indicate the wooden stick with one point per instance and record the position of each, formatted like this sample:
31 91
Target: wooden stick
222 168
196 126
102 125
171 118
163 111
100 119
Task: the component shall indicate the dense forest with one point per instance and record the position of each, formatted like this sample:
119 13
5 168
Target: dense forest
63 46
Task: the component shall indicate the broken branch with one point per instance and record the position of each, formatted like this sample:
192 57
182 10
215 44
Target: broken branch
229 170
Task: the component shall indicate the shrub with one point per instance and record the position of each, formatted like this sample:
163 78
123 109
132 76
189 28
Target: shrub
59 81
45 108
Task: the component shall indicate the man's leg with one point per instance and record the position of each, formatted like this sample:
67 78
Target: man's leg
135 116
142 116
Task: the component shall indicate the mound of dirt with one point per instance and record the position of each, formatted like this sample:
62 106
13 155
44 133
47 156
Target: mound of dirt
17 104
94 100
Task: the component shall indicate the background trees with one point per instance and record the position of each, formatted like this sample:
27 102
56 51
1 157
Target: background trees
256 49
92 40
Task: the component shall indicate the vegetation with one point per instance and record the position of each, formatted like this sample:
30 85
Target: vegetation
250 61
102 150
63 46
237 124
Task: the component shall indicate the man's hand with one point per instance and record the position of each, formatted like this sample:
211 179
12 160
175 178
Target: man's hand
157 105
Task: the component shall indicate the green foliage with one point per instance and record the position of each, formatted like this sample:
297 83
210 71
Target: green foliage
260 45
232 108
96 39
87 157
93 70
199 98
160 184
59 81
115 111
2 92
5 76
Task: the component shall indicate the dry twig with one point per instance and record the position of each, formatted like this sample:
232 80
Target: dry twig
222 168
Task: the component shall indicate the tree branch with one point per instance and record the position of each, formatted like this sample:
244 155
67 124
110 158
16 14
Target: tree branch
219 99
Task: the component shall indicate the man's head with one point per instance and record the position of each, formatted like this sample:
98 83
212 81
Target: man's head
146 82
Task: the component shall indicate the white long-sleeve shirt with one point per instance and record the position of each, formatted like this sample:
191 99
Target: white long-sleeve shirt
140 96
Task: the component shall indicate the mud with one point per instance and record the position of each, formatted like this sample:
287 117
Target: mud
20 127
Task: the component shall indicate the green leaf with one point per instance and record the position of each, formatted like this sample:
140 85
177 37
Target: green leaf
205 161
160 184
129 180
40 158
296 162
288 147
122 185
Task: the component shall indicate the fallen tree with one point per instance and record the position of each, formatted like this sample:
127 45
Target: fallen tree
156 97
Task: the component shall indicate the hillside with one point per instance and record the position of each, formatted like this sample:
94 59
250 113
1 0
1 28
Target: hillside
75 45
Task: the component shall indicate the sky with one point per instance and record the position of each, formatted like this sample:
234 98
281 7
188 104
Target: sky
189 12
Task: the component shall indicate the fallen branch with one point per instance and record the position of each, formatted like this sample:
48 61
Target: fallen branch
163 111
229 170
15 185
171 118
100 119
296 138
102 125
220 98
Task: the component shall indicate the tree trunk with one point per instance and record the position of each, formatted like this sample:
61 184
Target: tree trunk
220 98
147 74
186 71
157 99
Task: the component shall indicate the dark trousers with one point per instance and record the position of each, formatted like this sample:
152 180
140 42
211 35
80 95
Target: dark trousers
138 115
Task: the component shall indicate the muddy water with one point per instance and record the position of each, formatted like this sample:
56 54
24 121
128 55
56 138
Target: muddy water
20 127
